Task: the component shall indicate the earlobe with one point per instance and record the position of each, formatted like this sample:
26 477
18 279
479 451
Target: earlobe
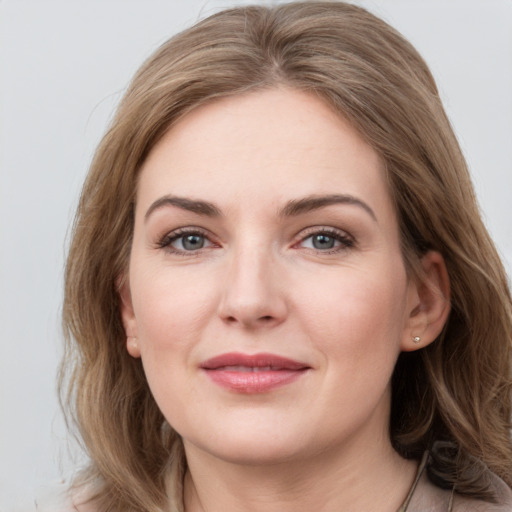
132 346
128 318
428 303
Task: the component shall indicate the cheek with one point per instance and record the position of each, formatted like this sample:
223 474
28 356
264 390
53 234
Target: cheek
171 313
171 309
357 314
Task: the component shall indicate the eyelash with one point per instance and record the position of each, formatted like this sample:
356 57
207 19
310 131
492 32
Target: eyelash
166 241
345 240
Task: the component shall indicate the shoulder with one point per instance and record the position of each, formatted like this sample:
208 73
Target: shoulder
428 497
63 497
53 497
502 491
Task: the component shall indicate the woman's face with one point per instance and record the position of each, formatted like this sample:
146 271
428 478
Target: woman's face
266 289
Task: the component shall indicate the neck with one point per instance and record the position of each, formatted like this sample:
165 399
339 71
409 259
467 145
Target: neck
372 477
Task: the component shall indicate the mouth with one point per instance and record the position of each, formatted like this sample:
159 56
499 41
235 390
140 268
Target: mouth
256 373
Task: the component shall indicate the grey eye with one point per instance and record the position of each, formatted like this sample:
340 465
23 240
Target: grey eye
327 241
322 241
189 242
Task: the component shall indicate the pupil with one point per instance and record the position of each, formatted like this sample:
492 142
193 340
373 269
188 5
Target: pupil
191 242
323 242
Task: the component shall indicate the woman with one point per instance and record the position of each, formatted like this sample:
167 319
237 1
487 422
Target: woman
279 293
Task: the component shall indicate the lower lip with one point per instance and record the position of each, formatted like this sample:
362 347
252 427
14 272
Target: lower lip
254 382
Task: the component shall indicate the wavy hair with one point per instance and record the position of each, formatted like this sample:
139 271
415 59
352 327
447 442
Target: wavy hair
456 390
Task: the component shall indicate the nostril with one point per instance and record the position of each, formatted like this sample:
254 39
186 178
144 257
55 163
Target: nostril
262 319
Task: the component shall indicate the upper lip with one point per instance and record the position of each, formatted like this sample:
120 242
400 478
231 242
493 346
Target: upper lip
262 360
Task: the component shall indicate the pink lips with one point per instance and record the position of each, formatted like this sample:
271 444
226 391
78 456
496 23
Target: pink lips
252 373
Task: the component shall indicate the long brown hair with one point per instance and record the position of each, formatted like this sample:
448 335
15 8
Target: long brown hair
456 390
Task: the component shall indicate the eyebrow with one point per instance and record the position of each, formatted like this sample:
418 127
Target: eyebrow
292 208
309 203
192 205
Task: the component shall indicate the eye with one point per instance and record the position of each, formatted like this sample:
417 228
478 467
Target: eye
327 240
185 241
322 241
190 242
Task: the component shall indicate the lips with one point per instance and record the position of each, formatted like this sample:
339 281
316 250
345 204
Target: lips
256 373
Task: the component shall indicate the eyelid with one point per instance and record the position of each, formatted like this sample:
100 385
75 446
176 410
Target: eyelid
165 241
346 239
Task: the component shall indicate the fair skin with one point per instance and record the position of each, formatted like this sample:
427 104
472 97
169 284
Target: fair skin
264 226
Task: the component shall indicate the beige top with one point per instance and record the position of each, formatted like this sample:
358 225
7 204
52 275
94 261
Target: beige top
423 497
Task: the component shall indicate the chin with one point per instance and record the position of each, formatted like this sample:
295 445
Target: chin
250 445
251 453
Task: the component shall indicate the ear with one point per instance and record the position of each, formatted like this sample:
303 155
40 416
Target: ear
428 303
128 317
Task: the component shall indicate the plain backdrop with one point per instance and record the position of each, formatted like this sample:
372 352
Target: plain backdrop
63 67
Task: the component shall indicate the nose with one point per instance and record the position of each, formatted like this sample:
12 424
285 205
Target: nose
253 294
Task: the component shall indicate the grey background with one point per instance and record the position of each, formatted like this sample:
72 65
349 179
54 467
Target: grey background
63 67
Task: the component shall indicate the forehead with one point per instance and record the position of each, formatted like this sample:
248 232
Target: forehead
275 144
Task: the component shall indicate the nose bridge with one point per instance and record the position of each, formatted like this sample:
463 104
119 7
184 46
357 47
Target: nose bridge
252 293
